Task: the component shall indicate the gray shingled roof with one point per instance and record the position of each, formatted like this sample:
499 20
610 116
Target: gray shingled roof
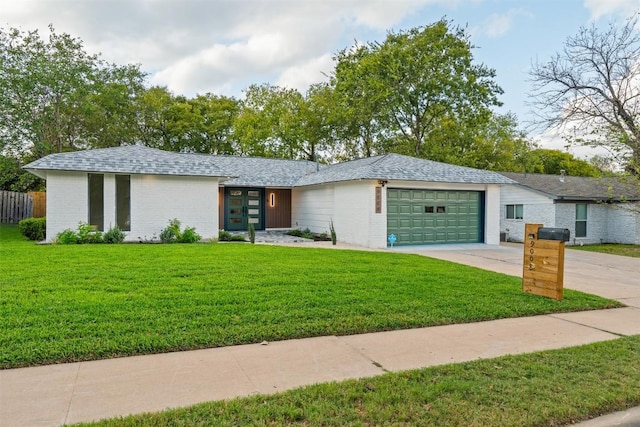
264 172
261 172
579 187
404 168
129 159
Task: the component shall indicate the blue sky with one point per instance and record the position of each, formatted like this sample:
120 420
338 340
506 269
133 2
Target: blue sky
222 46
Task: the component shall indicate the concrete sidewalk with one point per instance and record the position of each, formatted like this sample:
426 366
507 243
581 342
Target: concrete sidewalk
69 393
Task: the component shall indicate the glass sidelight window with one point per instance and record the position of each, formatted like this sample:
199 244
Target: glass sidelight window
123 202
96 200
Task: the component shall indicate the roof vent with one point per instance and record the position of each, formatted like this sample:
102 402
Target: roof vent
563 173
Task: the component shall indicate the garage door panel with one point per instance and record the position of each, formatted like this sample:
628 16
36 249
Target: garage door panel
430 216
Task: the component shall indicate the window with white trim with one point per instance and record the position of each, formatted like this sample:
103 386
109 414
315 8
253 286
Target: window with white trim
515 211
581 220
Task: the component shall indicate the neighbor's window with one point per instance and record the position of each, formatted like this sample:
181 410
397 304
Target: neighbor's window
581 220
514 211
96 200
123 202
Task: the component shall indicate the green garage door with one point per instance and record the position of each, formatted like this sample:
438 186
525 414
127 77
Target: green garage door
428 216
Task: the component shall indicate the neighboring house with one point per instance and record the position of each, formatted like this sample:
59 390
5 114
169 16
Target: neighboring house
595 210
140 189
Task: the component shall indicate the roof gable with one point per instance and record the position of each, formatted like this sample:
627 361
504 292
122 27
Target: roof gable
402 168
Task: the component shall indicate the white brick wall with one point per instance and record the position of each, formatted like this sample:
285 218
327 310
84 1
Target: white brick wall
155 199
67 201
536 209
312 207
356 221
623 224
492 215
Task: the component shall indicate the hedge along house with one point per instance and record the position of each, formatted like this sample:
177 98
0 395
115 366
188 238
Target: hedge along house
595 210
140 189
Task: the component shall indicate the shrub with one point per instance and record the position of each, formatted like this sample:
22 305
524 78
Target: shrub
252 233
305 234
33 228
85 233
225 236
114 235
308 234
189 235
67 237
88 234
172 234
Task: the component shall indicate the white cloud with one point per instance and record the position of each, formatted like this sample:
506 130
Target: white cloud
194 46
301 76
553 140
498 24
600 8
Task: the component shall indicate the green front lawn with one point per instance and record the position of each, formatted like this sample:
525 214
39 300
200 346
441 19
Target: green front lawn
68 303
624 250
549 388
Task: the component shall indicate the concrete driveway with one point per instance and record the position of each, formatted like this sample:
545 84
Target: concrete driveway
609 276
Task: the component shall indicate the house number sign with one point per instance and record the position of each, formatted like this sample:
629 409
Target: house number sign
543 264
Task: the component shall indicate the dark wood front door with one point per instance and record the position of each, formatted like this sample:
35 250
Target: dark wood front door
244 206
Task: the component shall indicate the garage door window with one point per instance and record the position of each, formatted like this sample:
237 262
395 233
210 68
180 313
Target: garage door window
514 211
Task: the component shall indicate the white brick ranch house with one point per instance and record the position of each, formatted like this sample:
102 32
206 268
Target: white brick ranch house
595 210
140 189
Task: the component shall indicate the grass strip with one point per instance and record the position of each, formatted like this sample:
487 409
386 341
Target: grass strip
549 388
613 249
84 302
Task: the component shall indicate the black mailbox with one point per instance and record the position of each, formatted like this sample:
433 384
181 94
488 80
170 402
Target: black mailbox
548 233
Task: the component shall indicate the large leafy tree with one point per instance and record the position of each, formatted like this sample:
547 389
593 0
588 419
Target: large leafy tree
14 178
494 143
592 89
55 97
553 162
268 124
281 122
409 84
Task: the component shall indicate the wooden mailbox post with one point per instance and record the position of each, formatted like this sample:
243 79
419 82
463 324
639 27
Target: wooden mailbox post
543 272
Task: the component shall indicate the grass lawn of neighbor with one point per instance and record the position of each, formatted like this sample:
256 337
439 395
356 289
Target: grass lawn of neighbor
63 303
613 249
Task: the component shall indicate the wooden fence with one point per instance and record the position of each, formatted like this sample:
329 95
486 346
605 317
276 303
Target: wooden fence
39 203
15 206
